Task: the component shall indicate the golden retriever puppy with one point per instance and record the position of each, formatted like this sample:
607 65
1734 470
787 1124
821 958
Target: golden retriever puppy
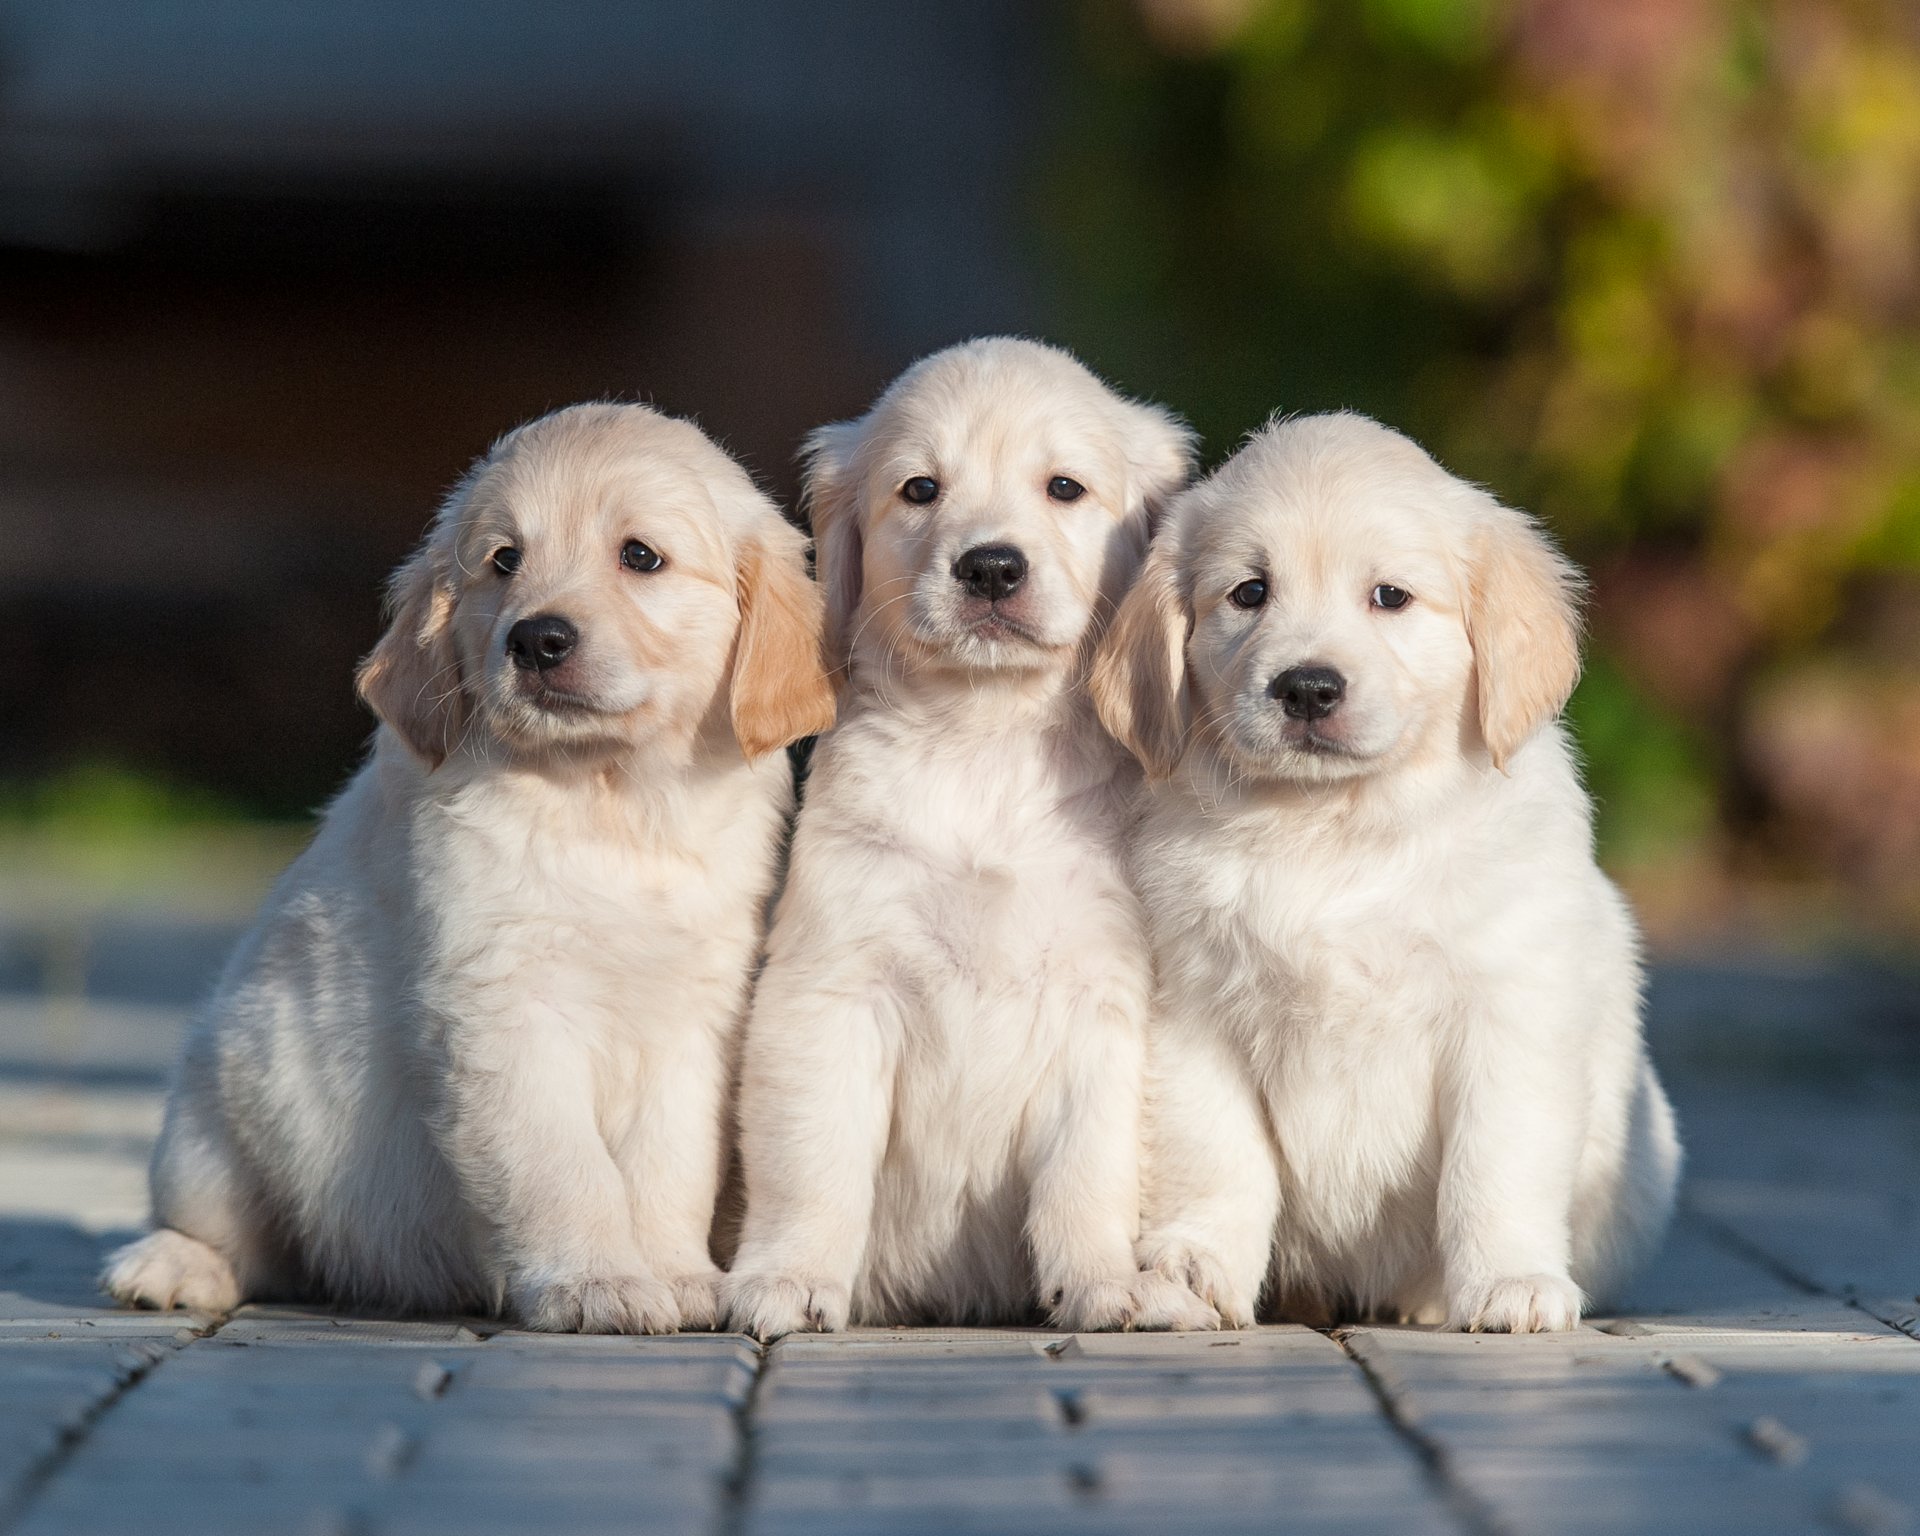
473 1055
941 1080
1396 1059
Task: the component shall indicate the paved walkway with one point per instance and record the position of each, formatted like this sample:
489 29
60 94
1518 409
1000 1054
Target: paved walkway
1764 1377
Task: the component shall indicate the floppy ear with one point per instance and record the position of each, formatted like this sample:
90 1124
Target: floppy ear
411 678
1523 621
1139 677
1160 455
831 497
780 689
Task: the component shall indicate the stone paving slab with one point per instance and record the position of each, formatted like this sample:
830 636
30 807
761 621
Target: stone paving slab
1076 1433
258 1432
1742 1432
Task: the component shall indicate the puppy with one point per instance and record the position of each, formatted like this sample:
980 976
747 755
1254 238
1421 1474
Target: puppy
472 1056
1396 1059
942 1071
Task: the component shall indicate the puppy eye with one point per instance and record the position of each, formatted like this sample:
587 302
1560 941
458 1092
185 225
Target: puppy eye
1060 488
636 556
921 489
1249 594
1391 598
506 559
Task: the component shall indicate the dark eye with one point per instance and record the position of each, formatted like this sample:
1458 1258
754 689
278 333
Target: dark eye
921 489
1391 597
636 556
506 559
1249 594
1060 488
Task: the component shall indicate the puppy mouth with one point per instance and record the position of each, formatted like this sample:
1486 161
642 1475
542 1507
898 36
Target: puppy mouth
1314 744
550 698
996 624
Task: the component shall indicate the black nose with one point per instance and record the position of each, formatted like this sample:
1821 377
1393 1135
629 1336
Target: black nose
992 570
543 641
1309 693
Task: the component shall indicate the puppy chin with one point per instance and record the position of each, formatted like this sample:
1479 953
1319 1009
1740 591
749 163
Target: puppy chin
532 717
1295 753
991 641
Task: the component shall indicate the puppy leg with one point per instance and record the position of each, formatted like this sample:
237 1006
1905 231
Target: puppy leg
1083 1153
1511 1122
518 1123
1212 1185
670 1157
205 1252
814 1097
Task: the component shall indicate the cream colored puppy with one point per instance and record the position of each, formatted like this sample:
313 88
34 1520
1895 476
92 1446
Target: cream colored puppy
1397 1066
473 1054
942 1073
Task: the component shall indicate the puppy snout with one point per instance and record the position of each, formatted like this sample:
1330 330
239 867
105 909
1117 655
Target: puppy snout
992 571
1308 693
541 642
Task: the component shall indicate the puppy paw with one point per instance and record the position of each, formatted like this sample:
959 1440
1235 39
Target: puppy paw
770 1305
1200 1271
1160 1303
169 1269
1109 1304
698 1297
1520 1304
597 1304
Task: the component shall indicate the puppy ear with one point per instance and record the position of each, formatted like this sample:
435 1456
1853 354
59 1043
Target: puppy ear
780 689
1160 453
411 678
1139 680
831 496
1523 621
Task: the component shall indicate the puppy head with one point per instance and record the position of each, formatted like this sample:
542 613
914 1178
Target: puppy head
1331 603
594 583
988 512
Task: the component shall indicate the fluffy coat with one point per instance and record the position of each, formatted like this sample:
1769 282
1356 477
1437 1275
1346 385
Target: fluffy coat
473 1055
942 1071
1396 1057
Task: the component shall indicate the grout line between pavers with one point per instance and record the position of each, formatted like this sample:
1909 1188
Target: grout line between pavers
1738 1243
1744 1247
1469 1511
70 1437
736 1488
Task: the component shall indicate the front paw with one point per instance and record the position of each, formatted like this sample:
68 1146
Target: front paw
1119 1303
1542 1303
1094 1306
1202 1272
597 1304
1160 1303
698 1296
768 1306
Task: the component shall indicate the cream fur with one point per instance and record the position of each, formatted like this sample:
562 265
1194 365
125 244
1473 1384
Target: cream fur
1396 1065
473 1054
942 1071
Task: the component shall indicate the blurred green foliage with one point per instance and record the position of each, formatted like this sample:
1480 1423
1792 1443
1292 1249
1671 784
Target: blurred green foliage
1646 267
105 800
97 836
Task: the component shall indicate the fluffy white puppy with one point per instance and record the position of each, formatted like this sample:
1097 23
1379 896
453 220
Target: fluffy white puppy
474 1053
1396 1059
942 1072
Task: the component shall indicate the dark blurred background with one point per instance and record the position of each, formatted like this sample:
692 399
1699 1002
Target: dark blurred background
272 274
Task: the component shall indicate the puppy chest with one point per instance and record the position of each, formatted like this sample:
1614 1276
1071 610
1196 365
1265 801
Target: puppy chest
989 945
1344 1027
